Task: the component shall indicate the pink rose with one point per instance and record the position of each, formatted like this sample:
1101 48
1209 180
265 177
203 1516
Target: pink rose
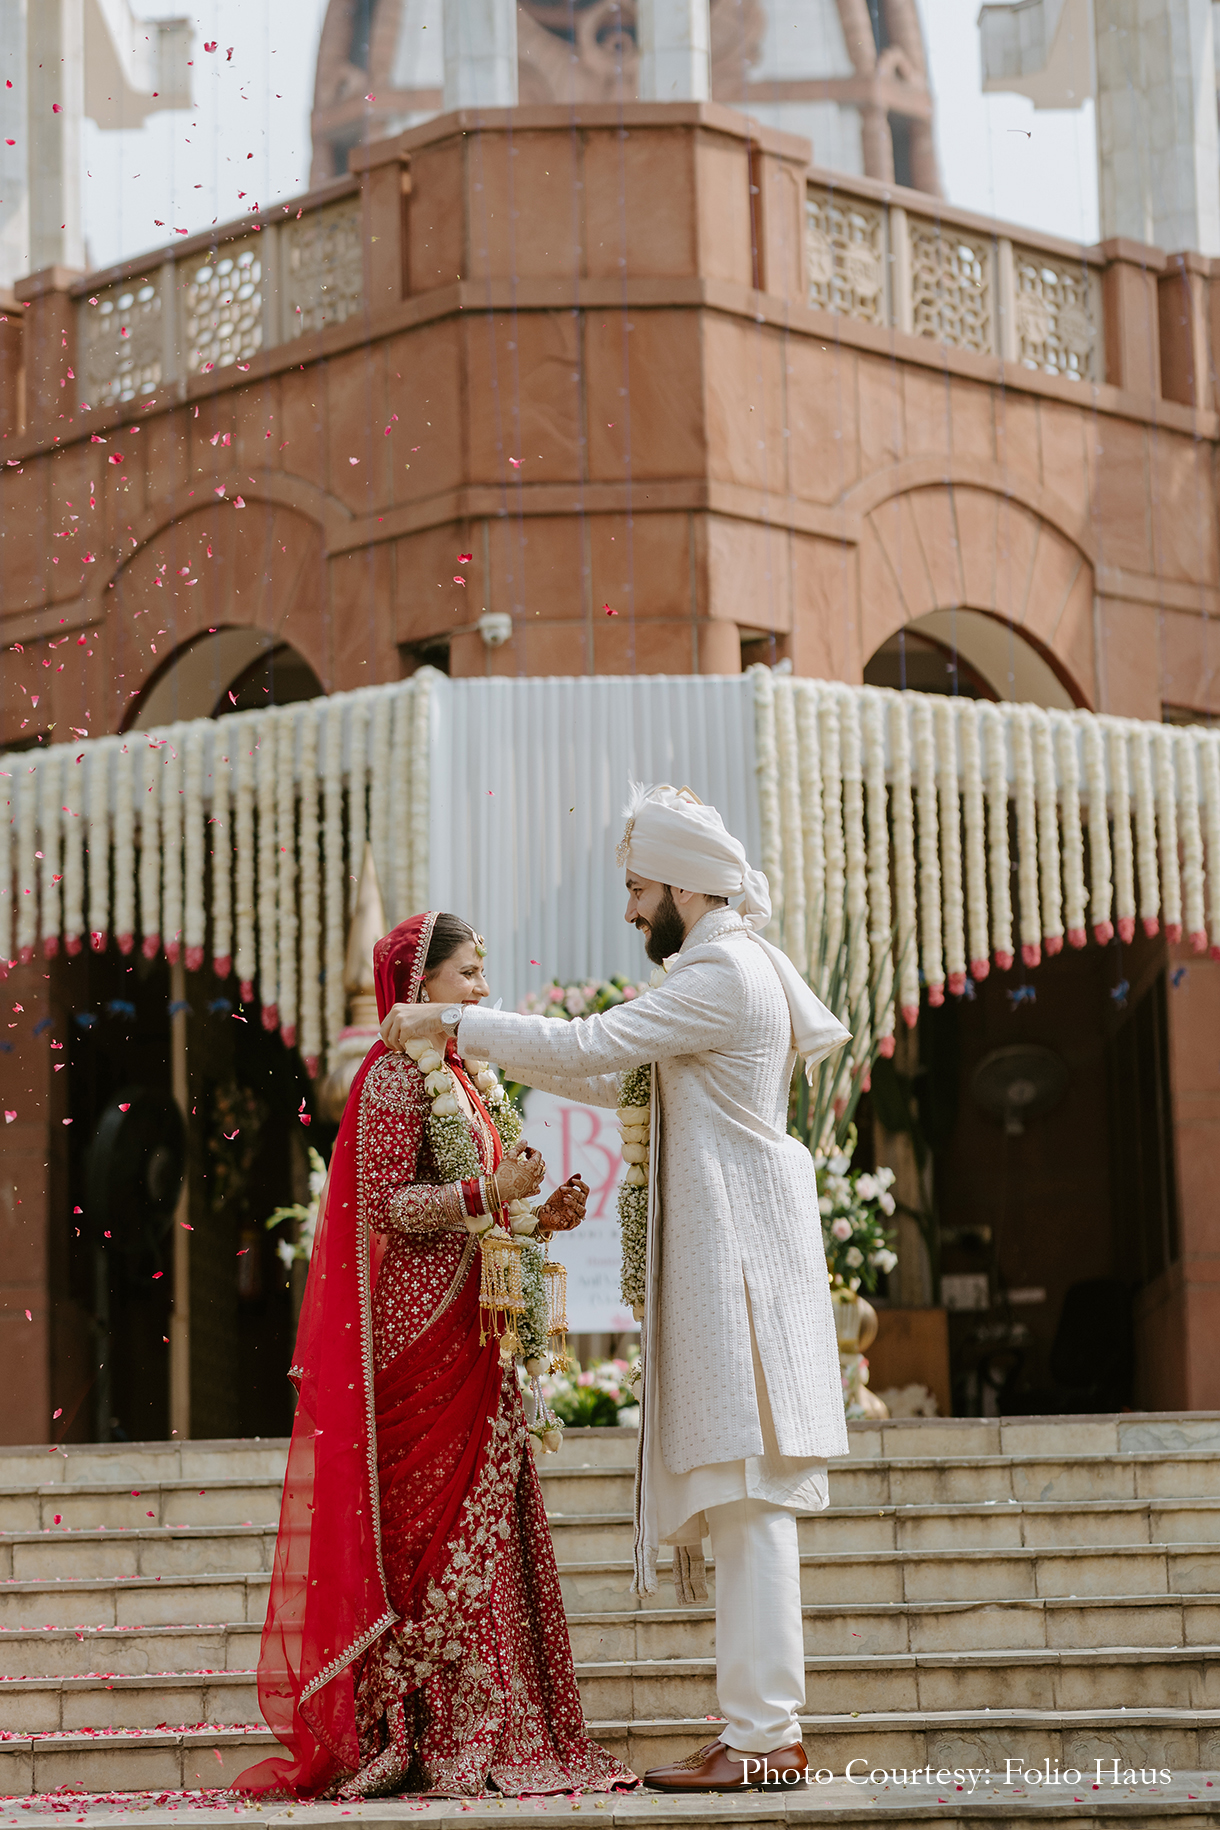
842 1228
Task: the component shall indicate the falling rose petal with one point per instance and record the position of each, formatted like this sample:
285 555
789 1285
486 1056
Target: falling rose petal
458 579
56 108
220 489
9 1117
125 1105
116 457
212 46
238 502
353 460
28 1316
516 463
464 559
157 1274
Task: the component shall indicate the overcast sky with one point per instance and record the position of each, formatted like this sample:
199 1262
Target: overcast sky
186 170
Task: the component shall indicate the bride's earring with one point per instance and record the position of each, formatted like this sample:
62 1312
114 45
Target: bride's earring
423 995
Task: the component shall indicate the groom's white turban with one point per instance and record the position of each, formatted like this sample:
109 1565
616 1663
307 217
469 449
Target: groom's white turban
671 837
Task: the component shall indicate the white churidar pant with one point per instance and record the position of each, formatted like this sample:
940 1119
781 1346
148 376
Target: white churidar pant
760 1646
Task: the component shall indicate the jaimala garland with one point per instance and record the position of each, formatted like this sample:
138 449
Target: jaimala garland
635 1096
521 1289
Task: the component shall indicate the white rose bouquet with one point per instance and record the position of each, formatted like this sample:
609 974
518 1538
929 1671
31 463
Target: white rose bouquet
852 1203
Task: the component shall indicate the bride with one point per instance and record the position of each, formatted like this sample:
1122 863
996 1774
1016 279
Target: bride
415 1637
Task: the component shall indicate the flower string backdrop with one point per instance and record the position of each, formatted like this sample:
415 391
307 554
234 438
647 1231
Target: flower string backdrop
888 824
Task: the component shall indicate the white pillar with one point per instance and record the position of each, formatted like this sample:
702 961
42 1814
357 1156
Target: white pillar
480 38
55 76
675 40
1158 151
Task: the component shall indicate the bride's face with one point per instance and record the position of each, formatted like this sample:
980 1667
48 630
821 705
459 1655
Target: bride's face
458 979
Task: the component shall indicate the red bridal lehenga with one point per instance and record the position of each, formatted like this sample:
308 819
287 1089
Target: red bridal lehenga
416 1638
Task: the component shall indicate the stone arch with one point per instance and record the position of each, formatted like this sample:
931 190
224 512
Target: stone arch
212 569
962 546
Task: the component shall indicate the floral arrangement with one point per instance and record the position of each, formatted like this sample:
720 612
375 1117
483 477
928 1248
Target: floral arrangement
582 998
634 1111
595 1397
852 1203
305 1213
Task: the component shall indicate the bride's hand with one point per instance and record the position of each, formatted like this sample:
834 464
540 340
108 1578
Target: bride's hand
565 1209
405 1023
521 1173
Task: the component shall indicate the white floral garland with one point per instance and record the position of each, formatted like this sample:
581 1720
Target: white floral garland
1192 841
78 794
951 846
245 958
974 822
832 831
357 798
380 787
335 1005
792 927
27 864
286 842
1124 854
421 753
813 857
930 945
904 860
152 761
881 939
1209 757
855 874
50 832
1167 827
1145 830
766 765
1075 895
267 859
194 931
1027 834
171 846
220 827
125 848
8 824
96 796
1047 801
401 757
1101 886
998 862
311 989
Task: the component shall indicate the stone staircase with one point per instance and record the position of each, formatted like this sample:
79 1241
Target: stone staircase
981 1591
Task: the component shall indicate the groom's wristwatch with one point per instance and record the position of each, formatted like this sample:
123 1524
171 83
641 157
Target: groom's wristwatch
451 1016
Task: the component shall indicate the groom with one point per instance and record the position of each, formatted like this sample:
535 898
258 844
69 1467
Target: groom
742 1400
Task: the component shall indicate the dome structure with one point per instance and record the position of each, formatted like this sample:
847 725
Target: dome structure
849 75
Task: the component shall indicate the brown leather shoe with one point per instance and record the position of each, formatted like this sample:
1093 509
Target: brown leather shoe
720 1768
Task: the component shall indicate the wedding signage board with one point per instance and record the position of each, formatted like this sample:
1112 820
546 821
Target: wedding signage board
584 1140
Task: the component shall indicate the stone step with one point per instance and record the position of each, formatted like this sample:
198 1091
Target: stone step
1107 1677
1007 1574
63 1652
136 1601
87 1506
583 1537
884 1629
968 1483
134 1464
167 1551
1181 1741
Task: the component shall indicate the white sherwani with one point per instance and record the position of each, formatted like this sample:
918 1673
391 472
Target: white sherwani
734 1229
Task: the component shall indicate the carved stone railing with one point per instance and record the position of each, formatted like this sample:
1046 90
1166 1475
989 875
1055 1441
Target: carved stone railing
209 305
953 278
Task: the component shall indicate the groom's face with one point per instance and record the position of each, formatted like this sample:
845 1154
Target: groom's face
651 908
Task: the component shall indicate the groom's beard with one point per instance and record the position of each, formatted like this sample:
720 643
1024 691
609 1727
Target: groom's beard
666 930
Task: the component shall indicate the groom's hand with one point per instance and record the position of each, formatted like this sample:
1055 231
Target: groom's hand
405 1023
566 1207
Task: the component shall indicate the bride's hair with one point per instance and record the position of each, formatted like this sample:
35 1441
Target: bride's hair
449 932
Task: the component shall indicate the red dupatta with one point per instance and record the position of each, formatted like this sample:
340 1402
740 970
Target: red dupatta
328 1601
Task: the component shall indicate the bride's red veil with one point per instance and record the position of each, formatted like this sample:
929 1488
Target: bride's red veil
328 1598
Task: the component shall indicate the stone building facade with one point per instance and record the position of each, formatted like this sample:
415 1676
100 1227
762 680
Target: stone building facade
640 380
